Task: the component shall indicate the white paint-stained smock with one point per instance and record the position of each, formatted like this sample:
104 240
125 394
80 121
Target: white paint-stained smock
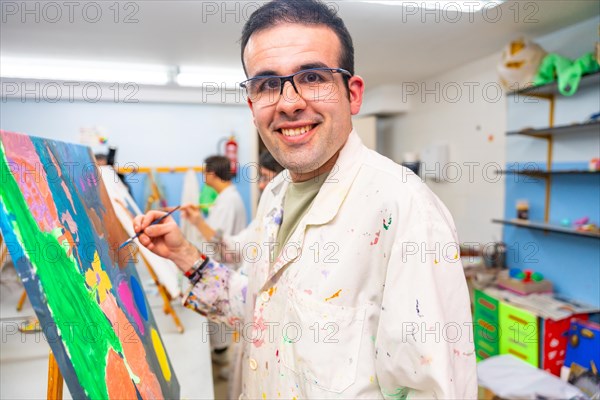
367 299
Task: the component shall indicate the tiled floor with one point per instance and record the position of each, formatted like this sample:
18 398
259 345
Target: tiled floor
24 357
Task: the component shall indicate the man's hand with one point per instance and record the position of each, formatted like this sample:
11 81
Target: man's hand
191 212
165 239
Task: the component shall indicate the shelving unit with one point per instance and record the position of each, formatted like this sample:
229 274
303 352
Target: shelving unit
565 255
548 167
541 173
558 130
549 92
546 227
552 88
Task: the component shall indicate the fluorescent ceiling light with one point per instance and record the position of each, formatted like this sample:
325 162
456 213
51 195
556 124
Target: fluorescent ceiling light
205 77
462 6
84 71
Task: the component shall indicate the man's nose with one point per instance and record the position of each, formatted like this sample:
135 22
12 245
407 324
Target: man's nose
290 101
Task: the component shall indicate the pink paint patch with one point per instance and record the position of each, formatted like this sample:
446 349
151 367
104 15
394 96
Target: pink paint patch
376 240
308 291
67 219
258 329
127 300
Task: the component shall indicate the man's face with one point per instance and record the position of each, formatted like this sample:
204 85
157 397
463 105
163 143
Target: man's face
326 123
209 178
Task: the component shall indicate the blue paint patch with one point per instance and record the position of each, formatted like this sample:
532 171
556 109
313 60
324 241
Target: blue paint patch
138 296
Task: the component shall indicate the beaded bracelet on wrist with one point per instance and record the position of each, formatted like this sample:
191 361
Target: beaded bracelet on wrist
195 273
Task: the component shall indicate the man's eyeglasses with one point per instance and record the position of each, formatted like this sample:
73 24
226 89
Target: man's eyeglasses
311 84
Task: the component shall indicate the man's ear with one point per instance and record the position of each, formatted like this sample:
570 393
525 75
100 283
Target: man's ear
356 88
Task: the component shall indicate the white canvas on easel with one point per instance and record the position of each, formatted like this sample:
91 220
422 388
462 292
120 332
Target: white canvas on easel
124 207
190 195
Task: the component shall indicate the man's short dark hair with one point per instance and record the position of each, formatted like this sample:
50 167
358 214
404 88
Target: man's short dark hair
305 12
266 160
220 165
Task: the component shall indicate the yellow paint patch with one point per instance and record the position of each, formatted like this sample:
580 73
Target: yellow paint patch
272 290
98 279
435 262
333 296
161 355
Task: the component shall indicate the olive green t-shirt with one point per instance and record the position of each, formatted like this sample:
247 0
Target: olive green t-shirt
298 199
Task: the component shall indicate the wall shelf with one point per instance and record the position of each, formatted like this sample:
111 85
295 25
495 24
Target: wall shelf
558 130
552 88
542 173
538 225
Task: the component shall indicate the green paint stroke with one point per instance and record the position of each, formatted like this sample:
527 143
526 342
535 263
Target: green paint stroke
400 394
389 223
86 332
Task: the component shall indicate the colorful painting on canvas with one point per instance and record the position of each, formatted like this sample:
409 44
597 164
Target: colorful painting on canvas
63 236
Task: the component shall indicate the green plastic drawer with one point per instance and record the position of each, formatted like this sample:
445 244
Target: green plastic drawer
519 333
486 307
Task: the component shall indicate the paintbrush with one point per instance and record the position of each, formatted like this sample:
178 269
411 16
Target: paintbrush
156 221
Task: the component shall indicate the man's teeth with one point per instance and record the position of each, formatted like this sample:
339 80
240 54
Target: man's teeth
296 131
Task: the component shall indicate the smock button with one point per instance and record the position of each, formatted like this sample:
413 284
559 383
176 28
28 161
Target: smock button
264 296
253 364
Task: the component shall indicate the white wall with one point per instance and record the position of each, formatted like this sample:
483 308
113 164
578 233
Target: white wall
463 108
147 134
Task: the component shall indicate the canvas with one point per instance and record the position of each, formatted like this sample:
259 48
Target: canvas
63 236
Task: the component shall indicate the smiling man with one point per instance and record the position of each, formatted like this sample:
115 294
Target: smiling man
352 285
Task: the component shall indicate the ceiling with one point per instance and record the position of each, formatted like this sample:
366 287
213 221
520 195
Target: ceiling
392 43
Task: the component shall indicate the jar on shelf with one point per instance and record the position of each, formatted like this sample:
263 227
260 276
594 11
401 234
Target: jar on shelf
523 209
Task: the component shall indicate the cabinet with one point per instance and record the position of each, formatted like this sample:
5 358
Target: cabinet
548 166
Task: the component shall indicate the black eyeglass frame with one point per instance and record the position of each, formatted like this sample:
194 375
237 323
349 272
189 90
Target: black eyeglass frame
290 78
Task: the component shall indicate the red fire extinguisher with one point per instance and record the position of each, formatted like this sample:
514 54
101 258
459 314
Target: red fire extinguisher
231 148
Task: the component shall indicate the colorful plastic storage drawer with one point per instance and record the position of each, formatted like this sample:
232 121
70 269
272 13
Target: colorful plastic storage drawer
519 333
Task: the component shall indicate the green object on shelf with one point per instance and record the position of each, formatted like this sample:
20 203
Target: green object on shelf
566 71
537 277
520 276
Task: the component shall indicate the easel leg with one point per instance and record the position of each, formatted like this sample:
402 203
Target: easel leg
22 300
55 379
167 308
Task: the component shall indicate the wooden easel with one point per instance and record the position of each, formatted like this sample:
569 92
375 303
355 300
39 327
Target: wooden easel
55 379
167 308
22 300
3 252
